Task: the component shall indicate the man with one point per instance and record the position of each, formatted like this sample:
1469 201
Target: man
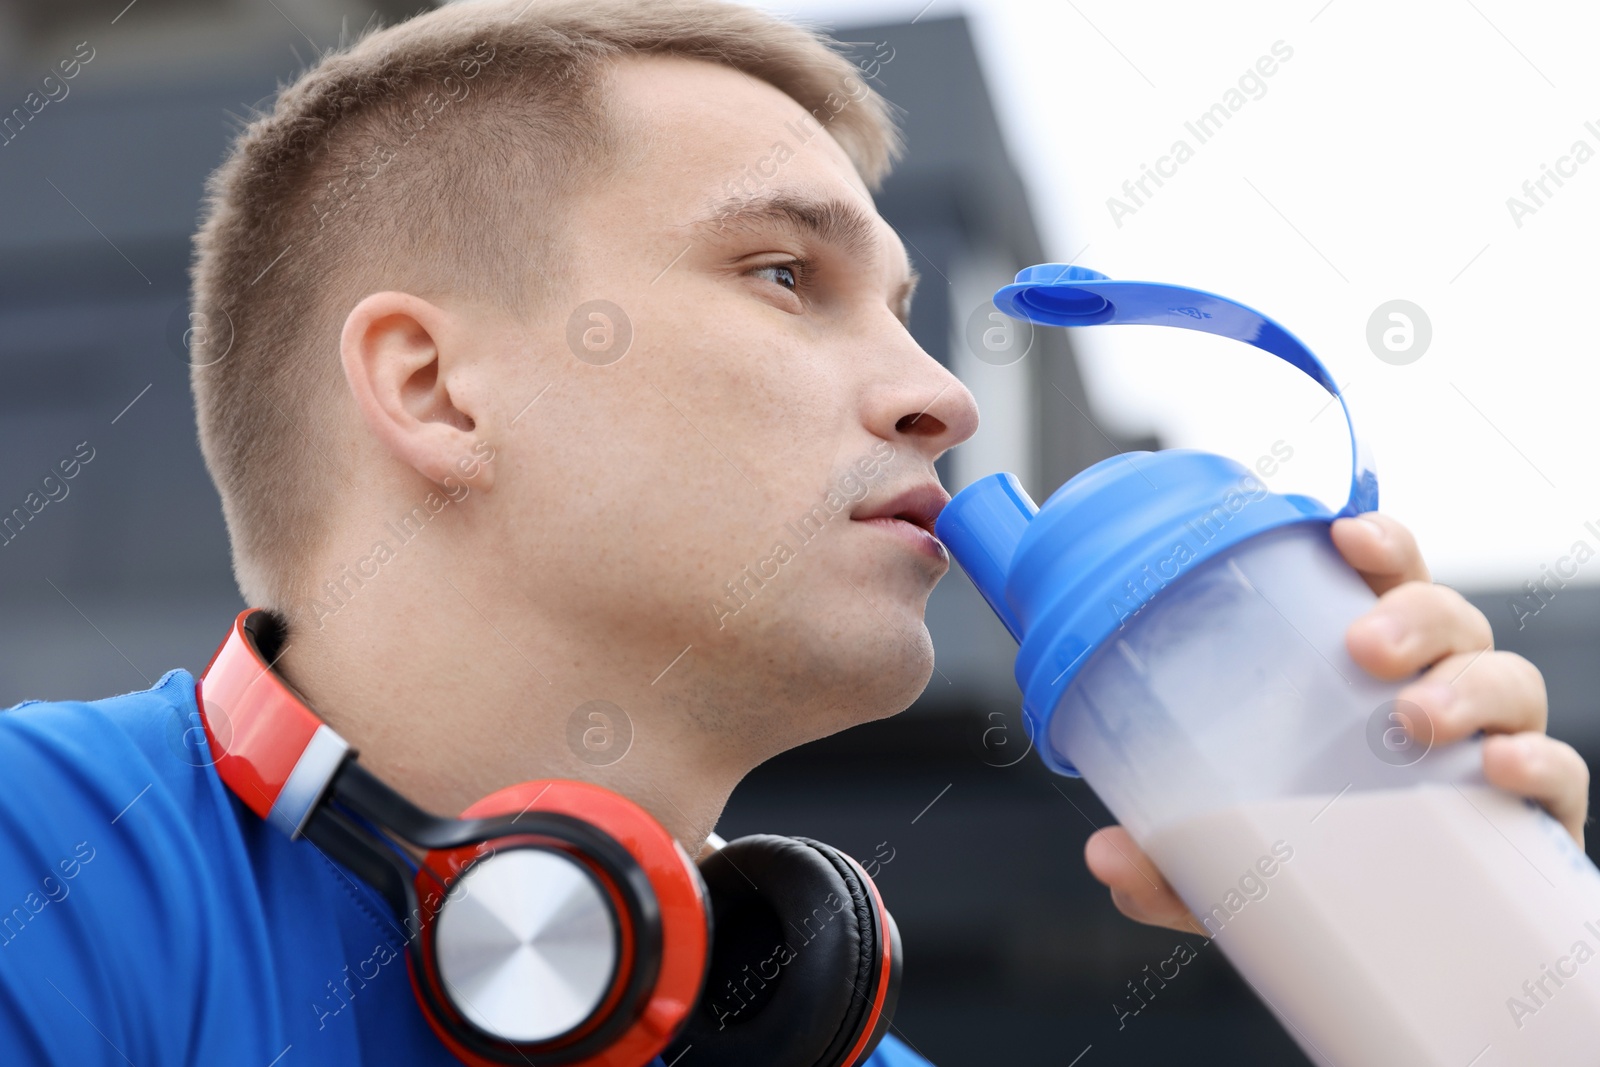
531 329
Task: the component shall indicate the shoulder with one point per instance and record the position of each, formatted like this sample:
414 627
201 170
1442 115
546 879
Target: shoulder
126 712
74 766
120 870
892 1052
90 762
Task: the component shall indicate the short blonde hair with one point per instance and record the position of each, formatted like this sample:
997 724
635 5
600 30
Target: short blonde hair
388 164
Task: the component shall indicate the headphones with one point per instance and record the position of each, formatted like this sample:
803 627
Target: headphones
556 922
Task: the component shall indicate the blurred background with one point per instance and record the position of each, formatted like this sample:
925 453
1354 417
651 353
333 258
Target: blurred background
1391 155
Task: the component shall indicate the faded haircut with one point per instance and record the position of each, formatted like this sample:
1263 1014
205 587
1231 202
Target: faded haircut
429 157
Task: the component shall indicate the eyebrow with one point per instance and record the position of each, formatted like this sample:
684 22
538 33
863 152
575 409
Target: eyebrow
831 221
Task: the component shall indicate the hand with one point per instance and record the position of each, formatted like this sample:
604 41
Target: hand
1467 687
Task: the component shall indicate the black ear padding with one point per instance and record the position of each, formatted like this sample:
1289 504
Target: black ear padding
796 959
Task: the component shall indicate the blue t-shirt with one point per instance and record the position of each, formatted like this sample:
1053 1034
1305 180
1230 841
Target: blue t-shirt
148 917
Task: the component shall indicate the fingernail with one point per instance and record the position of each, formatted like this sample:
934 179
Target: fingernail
1383 535
1125 903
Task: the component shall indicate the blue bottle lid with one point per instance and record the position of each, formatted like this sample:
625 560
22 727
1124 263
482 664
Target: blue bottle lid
1065 577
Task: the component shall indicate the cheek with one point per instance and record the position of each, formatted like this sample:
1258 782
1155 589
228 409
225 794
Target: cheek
621 494
673 469
748 386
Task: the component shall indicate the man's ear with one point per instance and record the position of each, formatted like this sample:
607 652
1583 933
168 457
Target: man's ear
409 368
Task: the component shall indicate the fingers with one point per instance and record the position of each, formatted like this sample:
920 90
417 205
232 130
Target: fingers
1415 624
1549 771
1498 692
1138 889
1381 549
1468 685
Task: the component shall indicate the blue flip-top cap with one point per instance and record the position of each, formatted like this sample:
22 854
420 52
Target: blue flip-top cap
1063 578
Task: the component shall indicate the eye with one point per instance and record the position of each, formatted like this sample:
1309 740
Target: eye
785 274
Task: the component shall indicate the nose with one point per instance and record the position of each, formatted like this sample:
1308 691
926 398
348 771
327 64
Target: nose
929 409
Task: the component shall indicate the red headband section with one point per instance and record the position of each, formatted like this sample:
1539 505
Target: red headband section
268 746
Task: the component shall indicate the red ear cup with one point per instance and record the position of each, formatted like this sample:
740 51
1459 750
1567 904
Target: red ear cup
534 953
805 970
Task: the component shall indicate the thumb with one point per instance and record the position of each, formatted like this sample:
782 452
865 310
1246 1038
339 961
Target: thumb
1138 888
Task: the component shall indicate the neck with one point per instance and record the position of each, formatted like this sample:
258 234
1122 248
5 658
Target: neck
452 703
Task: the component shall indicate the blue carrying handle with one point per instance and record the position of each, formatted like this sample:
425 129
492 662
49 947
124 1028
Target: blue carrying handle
1056 294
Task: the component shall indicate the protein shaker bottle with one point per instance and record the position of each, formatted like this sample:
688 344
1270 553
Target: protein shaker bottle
1182 648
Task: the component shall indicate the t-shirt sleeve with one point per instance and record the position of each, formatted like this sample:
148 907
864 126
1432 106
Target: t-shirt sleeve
111 923
892 1052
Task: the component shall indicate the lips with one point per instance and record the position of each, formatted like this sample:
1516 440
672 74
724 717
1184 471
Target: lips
919 505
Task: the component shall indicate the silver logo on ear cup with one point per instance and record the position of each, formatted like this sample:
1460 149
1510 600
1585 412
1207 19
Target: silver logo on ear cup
528 949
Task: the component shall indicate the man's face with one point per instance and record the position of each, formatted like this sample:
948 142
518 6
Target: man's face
699 490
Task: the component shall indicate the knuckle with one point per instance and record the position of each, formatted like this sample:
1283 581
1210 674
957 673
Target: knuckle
1579 766
1401 537
1476 622
1513 678
1411 595
1528 676
1428 604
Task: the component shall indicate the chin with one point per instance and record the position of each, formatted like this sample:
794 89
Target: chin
885 685
839 667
